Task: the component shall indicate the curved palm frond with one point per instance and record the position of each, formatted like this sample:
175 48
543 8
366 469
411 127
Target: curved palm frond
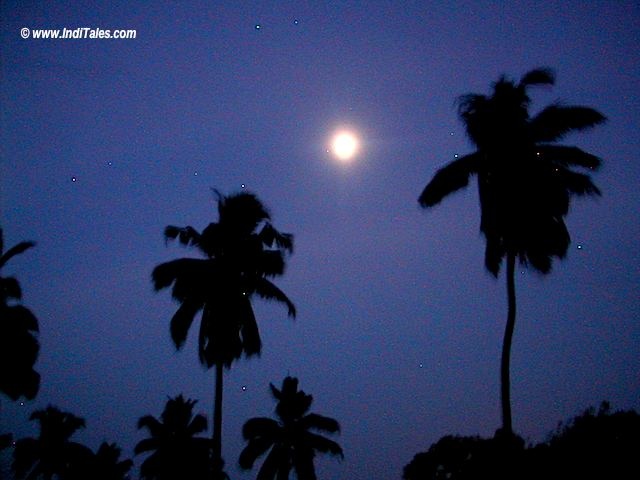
15 250
146 445
152 424
260 427
538 76
256 447
182 320
320 422
450 178
324 445
197 425
556 121
568 156
267 290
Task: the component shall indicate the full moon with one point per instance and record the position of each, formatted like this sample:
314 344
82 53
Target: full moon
344 145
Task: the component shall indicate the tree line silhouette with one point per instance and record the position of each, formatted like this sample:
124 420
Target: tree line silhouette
525 182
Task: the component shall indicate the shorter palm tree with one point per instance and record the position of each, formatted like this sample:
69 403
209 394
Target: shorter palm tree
106 464
52 453
291 440
177 452
19 346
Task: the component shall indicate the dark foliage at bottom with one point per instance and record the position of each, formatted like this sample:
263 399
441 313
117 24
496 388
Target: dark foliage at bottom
594 444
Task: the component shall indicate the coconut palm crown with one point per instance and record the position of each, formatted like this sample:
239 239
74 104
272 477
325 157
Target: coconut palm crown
291 441
175 449
52 453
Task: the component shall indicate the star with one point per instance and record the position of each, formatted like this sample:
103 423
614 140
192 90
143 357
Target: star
296 22
579 247
242 185
244 388
258 26
74 179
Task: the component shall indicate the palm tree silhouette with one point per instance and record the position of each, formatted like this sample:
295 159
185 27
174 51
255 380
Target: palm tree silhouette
106 464
291 441
525 184
19 346
52 453
242 250
177 452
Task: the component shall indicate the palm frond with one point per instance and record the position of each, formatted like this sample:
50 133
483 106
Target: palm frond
152 424
324 445
272 262
538 76
271 464
187 236
267 290
191 276
251 342
568 156
269 235
555 121
320 422
15 250
448 179
578 183
197 425
260 427
256 447
182 320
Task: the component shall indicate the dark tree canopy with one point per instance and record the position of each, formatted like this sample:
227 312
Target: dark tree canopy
242 252
291 441
176 452
19 345
52 454
525 179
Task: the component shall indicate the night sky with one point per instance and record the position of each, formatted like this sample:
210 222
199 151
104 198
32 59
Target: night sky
398 336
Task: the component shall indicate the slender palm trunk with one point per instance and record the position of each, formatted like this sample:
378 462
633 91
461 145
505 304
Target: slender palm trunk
217 424
505 382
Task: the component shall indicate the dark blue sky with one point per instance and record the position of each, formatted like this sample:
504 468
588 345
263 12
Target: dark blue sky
400 327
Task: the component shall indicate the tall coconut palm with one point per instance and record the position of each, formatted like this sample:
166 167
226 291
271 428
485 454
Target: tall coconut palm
19 346
291 441
242 251
525 183
177 452
52 454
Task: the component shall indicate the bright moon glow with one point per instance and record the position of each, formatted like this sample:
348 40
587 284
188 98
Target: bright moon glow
344 145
